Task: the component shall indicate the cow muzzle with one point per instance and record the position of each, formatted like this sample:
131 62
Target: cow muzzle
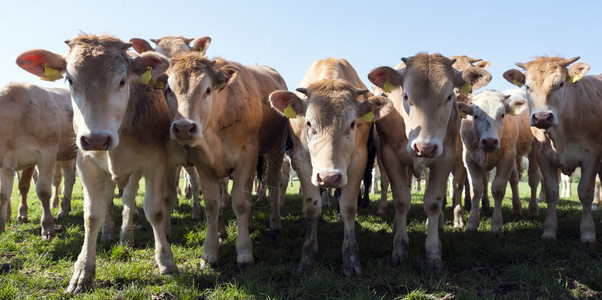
543 119
489 144
330 179
96 142
184 130
428 150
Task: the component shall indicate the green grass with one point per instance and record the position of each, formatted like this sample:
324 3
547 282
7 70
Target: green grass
514 265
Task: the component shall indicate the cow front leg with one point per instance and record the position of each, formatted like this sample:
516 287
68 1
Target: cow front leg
433 201
348 206
550 187
498 190
459 178
517 207
24 185
400 189
44 192
241 204
68 168
197 210
533 171
126 234
475 175
585 190
94 181
211 199
7 177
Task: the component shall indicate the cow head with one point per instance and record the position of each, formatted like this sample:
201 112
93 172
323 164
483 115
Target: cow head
331 113
546 80
487 111
171 46
100 74
463 62
426 89
193 84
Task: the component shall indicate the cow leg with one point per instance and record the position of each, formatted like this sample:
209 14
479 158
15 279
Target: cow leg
126 234
7 177
585 190
197 210
108 227
533 181
459 178
68 168
241 204
24 184
312 207
155 176
94 182
550 186
170 193
274 168
498 189
400 188
596 202
56 182
433 202
44 192
485 203
285 173
213 204
517 207
475 176
384 189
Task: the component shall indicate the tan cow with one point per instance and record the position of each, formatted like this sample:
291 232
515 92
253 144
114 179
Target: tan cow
37 130
329 139
224 122
565 106
495 134
420 133
172 45
121 126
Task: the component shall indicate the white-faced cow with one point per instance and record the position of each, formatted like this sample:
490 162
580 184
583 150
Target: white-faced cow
566 106
37 130
495 134
224 122
121 126
421 132
329 138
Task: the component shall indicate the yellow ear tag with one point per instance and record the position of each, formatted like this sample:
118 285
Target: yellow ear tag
517 83
387 87
289 112
221 86
574 79
159 85
146 77
51 74
462 114
465 89
368 117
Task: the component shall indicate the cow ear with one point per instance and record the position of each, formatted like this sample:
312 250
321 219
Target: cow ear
515 107
42 63
374 108
287 103
515 77
472 79
385 78
201 44
465 109
225 75
141 45
484 64
157 63
577 71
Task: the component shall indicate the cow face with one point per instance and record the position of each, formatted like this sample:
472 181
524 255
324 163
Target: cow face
100 74
545 80
487 111
331 114
171 46
193 84
426 91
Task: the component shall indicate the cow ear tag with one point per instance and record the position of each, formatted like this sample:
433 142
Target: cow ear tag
368 117
159 85
574 79
465 89
221 86
387 87
517 83
146 76
289 112
51 74
462 114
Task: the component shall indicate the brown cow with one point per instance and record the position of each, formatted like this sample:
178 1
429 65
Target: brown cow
565 106
224 122
420 133
37 130
121 126
495 134
329 139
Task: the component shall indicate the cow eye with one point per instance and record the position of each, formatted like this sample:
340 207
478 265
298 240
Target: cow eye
527 87
476 117
208 91
308 124
122 83
561 84
352 125
407 99
503 115
449 98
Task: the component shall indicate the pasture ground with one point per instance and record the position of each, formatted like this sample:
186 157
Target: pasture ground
515 265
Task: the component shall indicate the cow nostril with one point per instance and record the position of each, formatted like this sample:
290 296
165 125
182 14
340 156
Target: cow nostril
550 118
193 129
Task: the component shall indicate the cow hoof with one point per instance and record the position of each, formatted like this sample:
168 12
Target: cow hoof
168 270
205 265
458 225
106 238
589 244
61 216
517 213
548 237
81 281
532 216
244 266
22 219
594 207
349 271
273 234
470 229
47 235
436 264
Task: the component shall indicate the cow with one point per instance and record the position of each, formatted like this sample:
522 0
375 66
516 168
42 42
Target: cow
495 134
329 121
421 132
172 45
37 131
121 125
223 123
565 107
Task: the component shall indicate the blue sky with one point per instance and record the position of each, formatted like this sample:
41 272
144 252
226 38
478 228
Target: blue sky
290 35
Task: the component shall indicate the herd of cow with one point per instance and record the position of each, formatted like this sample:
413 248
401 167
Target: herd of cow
147 114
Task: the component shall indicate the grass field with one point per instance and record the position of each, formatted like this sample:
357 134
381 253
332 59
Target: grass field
516 265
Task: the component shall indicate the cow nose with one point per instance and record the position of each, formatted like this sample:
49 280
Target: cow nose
96 141
329 180
425 149
489 144
184 130
542 119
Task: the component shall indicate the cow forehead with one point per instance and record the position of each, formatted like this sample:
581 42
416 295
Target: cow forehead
544 72
188 69
331 103
429 74
97 56
490 102
172 45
